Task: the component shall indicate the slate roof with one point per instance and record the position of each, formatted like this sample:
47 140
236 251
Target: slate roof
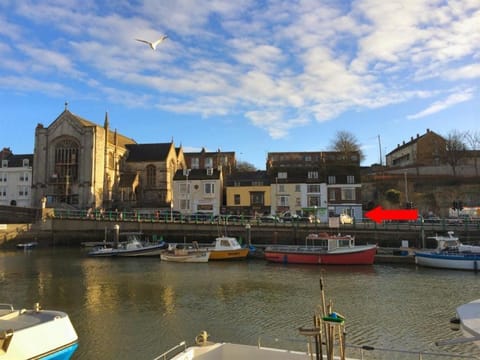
15 160
148 152
197 174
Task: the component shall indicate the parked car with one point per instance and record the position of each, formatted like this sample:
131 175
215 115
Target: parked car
199 216
289 217
270 219
346 219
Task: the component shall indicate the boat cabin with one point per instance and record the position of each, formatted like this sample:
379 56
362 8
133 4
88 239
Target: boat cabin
330 242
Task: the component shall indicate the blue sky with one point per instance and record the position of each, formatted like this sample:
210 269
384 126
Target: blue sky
246 76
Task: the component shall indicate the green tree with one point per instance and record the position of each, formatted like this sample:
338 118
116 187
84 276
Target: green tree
244 166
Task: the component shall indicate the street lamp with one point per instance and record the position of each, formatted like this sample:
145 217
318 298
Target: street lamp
171 211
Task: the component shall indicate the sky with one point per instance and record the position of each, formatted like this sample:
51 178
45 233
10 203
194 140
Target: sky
249 76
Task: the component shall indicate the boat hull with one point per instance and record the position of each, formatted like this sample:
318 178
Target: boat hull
144 251
448 261
43 334
360 255
229 254
199 257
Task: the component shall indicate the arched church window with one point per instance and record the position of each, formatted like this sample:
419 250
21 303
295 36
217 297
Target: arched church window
66 160
151 175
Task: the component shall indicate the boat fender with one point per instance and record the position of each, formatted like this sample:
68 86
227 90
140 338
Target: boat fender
201 339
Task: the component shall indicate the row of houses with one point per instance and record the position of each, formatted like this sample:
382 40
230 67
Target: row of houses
80 164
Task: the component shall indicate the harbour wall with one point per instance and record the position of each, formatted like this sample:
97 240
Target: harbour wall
73 232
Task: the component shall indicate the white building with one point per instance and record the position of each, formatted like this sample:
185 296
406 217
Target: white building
15 179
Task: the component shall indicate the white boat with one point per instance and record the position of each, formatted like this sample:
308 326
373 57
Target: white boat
27 245
132 247
450 254
36 334
185 254
469 316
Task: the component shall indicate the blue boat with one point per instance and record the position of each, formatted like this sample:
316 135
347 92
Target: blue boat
450 254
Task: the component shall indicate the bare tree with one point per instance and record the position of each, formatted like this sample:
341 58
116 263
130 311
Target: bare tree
455 149
473 139
346 142
244 166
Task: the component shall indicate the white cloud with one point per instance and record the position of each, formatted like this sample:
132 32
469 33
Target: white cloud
450 101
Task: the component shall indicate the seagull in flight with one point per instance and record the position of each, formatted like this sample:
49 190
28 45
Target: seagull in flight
153 45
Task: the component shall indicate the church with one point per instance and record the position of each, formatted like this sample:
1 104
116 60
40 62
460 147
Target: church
80 164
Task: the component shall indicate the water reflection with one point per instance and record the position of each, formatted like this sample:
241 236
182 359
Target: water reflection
152 305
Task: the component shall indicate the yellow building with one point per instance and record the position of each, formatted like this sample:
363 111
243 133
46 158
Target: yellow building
248 193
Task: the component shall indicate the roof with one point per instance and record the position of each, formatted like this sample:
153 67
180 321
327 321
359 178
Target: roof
148 152
121 139
414 140
197 174
15 160
247 178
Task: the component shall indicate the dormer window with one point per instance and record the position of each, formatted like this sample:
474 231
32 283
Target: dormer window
210 171
282 175
5 163
26 163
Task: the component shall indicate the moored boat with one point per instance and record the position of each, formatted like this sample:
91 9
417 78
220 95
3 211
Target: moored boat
450 253
226 248
469 316
325 249
36 334
185 254
130 248
27 245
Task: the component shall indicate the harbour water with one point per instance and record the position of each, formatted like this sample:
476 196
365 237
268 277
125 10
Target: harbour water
136 308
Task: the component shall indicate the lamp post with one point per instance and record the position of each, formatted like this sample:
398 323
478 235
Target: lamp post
171 211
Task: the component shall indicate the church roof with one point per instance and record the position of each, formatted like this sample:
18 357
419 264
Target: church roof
148 152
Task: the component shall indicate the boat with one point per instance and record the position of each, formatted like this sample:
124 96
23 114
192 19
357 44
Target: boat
450 253
325 249
28 245
226 248
36 334
469 316
133 246
185 254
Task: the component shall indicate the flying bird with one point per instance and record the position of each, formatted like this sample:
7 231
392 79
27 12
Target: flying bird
153 45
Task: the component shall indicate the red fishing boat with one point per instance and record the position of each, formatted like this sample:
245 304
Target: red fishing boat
325 249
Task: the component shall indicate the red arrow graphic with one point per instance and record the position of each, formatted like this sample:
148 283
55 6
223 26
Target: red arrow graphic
380 214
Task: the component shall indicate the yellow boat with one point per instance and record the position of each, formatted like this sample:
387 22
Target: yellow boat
227 248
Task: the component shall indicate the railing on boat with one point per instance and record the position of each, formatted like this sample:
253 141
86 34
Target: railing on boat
363 349
170 351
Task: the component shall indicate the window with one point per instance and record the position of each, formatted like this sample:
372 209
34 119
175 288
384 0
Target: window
350 179
25 163
348 194
283 201
281 188
313 174
332 195
151 175
209 188
66 160
282 175
3 177
236 199
184 188
298 188
208 162
24 177
3 192
313 188
332 179
257 183
298 202
184 204
209 171
23 191
4 163
313 200
195 163
257 198
308 158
